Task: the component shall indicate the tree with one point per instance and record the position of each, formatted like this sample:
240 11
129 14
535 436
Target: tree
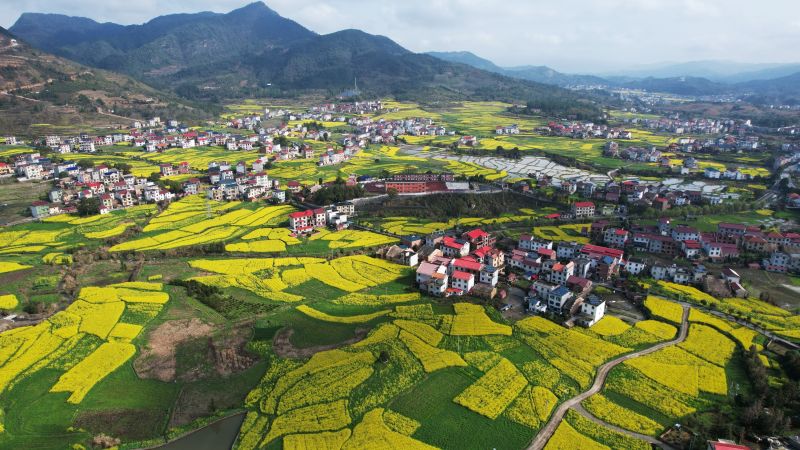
392 193
85 164
89 206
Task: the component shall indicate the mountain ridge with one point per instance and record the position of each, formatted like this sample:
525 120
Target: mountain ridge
253 51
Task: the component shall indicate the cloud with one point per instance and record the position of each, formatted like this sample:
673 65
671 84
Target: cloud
575 35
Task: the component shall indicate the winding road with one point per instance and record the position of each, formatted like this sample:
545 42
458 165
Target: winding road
547 431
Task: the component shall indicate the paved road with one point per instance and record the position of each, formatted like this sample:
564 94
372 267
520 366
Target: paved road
600 379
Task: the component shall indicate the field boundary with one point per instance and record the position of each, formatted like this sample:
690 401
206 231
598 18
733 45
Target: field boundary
544 435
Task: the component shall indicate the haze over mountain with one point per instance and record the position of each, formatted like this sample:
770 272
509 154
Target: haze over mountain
762 82
715 70
253 50
539 74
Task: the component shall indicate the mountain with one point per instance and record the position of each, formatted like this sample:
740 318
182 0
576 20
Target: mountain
784 90
714 70
692 86
469 59
539 74
253 51
164 45
37 87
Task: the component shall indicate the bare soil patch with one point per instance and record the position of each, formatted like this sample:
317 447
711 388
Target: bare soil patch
157 360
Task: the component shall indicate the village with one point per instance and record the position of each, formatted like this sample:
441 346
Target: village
75 181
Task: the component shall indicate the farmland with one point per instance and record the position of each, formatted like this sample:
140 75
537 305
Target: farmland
155 320
399 347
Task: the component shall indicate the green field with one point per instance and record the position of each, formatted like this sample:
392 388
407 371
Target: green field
158 320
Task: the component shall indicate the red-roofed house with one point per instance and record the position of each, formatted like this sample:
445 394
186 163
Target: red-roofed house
478 238
467 265
691 249
462 280
726 445
304 221
598 252
454 248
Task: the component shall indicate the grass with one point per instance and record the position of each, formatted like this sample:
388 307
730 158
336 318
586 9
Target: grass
448 425
15 198
310 332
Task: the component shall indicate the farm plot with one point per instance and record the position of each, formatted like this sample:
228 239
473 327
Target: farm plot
197 158
647 394
574 232
404 226
761 314
194 221
95 316
279 275
575 354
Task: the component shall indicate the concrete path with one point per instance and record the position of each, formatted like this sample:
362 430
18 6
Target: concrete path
649 439
547 431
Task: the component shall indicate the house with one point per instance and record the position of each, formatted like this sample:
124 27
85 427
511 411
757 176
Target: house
454 248
691 249
557 298
477 238
40 209
725 445
592 310
616 237
402 255
579 285
583 209
777 262
432 278
712 173
532 244
634 266
462 281
730 275
489 275
305 221
684 233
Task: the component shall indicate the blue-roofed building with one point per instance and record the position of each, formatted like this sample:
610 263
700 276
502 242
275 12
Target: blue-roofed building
557 298
592 310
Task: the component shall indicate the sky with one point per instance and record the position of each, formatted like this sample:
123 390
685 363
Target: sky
569 35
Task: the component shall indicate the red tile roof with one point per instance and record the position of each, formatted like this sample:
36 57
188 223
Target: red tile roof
476 234
458 275
467 264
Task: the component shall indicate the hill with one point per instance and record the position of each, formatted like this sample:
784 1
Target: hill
539 74
253 51
52 92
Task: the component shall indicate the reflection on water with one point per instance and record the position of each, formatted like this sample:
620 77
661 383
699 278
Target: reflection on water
217 436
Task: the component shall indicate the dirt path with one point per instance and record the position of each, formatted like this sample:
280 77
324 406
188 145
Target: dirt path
546 433
283 347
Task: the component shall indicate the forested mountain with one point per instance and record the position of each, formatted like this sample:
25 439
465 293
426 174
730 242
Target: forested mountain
38 87
254 51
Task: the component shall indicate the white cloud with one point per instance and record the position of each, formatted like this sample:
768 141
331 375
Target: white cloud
575 35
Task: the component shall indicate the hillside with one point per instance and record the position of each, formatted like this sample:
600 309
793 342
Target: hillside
253 51
164 45
539 74
43 89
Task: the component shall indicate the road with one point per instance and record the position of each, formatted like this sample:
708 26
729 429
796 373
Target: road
546 433
649 439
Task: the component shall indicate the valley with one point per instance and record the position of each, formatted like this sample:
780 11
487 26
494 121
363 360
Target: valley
227 230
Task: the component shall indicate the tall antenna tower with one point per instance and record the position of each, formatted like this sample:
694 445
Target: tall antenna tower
355 85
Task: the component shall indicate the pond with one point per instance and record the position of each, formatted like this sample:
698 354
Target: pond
217 436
